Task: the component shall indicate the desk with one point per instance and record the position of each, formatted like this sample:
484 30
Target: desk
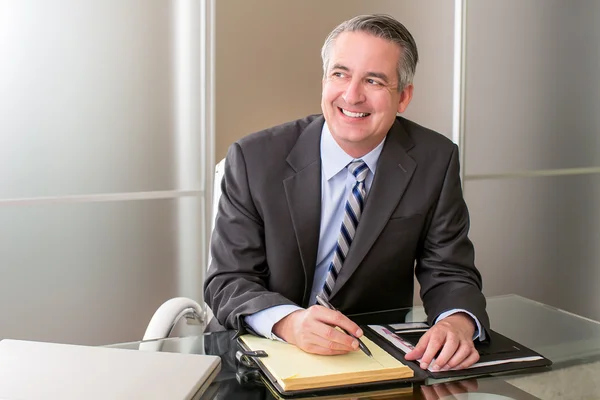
570 341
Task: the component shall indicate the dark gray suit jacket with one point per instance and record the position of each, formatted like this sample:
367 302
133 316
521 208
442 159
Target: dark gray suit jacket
415 221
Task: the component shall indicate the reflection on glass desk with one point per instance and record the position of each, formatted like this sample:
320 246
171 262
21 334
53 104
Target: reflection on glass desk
570 341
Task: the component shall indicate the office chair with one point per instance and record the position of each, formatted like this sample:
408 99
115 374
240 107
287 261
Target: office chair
170 312
219 173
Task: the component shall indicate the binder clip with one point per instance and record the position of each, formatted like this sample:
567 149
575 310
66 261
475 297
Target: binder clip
248 372
246 357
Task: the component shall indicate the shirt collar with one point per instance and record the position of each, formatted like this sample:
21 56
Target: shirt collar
337 159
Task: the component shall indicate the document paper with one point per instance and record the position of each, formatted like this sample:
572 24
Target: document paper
295 369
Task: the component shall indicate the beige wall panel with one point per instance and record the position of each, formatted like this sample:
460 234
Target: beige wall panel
268 65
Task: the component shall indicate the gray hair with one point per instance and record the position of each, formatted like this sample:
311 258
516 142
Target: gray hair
384 27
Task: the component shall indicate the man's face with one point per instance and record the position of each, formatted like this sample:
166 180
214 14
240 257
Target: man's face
360 95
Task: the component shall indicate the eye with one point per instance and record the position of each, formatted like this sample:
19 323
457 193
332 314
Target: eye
337 74
373 82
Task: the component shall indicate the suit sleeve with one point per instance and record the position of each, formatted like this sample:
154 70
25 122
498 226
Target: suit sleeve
237 279
446 268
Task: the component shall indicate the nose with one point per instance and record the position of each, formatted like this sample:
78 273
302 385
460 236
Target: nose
354 93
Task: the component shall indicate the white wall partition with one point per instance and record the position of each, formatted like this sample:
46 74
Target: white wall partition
532 148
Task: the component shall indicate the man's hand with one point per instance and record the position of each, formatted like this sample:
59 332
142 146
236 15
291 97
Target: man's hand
314 331
454 336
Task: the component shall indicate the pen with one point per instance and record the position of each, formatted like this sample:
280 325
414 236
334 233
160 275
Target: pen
321 300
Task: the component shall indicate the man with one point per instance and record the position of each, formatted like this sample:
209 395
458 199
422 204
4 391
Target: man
348 205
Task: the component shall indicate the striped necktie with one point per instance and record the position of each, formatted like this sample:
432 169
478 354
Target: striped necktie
353 210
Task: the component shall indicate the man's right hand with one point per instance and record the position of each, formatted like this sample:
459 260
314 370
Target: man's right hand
314 331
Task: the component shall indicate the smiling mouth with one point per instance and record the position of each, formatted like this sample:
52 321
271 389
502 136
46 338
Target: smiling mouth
353 114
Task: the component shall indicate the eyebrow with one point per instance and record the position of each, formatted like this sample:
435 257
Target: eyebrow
340 66
379 75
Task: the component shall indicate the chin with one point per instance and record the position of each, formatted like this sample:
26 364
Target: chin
355 139
356 135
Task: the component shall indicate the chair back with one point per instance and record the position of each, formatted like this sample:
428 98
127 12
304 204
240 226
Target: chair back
219 173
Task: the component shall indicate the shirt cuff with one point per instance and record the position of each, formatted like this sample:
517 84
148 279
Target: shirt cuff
263 321
479 333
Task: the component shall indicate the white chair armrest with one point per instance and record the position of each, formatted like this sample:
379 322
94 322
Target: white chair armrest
169 313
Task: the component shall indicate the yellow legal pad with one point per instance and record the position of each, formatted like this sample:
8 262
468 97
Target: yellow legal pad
296 370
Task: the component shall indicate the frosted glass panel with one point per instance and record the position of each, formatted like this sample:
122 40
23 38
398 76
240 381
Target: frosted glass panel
533 92
91 273
87 94
539 237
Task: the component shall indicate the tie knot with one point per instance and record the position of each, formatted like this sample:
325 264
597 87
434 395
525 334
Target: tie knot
359 169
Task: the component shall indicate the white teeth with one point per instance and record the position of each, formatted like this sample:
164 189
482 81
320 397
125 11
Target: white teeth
354 115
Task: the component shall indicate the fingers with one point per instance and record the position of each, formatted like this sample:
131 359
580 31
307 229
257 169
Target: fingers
336 318
427 347
320 345
311 342
470 360
328 336
462 357
457 353
443 347
465 351
419 349
453 349
316 332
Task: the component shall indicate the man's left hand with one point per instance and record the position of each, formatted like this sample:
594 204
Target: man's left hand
454 336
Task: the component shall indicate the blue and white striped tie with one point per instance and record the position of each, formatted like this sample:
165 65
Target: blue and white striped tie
354 207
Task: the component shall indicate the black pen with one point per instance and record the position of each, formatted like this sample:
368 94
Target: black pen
321 300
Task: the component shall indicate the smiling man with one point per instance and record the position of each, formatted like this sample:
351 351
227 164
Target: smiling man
349 205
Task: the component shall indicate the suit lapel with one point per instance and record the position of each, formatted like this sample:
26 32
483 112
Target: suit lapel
303 194
394 171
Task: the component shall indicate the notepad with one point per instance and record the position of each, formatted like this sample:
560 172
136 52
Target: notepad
294 369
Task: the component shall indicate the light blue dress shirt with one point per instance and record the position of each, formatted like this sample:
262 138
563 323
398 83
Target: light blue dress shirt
336 184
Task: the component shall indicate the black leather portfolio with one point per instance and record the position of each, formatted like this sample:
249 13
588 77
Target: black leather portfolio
498 354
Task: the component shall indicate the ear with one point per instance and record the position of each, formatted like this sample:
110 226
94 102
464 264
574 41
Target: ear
405 98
